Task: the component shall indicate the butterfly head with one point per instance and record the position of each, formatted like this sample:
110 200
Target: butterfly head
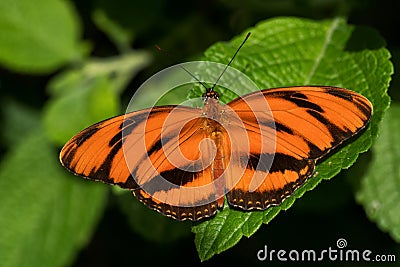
210 94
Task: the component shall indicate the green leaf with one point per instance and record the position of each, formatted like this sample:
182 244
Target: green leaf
225 230
47 215
291 51
379 192
88 94
38 36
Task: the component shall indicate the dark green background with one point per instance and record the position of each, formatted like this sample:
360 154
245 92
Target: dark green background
186 29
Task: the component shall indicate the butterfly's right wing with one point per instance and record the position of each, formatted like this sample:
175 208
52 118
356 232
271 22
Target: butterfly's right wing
153 152
310 121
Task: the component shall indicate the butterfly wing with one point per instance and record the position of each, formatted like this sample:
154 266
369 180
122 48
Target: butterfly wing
309 122
133 151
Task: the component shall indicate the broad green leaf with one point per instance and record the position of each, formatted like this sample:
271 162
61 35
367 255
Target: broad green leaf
47 215
379 192
38 36
89 94
291 51
225 230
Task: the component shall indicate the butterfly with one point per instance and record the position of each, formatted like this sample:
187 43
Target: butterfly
255 151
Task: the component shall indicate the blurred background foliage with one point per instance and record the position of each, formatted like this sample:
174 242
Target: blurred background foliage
107 47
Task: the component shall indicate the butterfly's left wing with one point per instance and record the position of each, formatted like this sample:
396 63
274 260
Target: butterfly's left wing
152 152
309 122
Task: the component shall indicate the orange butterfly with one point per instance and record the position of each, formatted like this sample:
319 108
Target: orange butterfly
256 150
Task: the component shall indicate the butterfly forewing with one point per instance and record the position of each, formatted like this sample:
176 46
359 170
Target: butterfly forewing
95 153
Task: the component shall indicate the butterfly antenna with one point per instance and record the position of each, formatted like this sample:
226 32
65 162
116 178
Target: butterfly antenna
182 67
234 55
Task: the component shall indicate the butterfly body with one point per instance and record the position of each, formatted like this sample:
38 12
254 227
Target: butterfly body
213 120
254 151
